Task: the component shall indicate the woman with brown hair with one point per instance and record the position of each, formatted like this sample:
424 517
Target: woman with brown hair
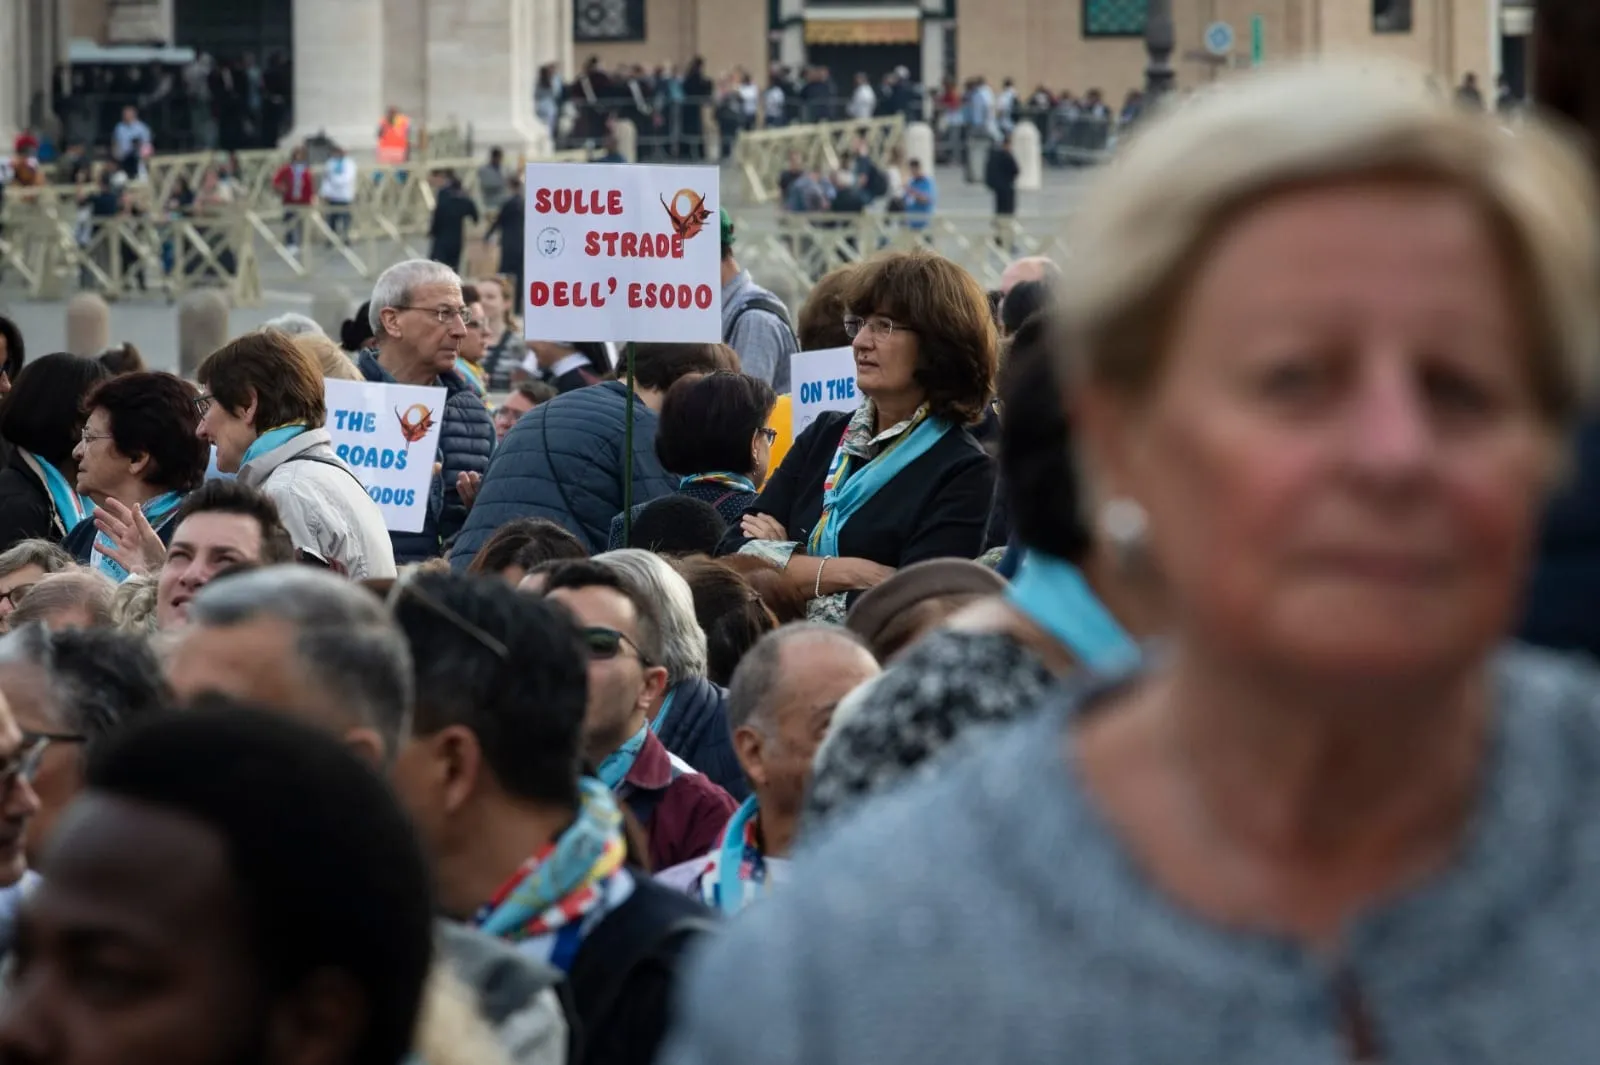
902 479
264 410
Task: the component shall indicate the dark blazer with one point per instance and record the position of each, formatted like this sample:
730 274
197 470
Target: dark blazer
79 543
26 512
938 507
696 730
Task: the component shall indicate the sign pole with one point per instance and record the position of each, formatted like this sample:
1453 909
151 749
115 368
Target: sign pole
627 456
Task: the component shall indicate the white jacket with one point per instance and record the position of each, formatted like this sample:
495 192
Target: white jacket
323 505
339 180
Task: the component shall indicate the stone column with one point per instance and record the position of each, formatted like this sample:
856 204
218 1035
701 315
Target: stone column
12 99
338 72
481 70
1027 147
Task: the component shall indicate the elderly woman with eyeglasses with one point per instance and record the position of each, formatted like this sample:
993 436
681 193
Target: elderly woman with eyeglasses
1327 373
901 479
264 410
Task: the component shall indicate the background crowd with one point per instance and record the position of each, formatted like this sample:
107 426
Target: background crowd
1140 646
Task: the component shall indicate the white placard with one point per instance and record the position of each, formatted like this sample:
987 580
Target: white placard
389 435
618 252
822 381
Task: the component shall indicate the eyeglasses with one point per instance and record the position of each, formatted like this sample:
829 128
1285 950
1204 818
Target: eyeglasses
770 434
605 644
88 438
442 315
406 586
877 324
14 595
24 765
202 403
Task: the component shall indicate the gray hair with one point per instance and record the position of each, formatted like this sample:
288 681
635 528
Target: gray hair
293 324
345 640
133 608
77 588
98 679
754 682
396 284
649 577
42 553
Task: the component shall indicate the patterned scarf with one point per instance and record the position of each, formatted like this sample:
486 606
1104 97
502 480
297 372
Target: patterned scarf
614 770
733 481
471 374
737 861
557 895
864 463
156 511
70 507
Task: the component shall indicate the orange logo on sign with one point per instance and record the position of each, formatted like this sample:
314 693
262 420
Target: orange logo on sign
689 222
415 422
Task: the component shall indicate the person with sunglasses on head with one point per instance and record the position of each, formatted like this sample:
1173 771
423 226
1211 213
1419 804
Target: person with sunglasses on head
524 848
69 692
901 479
264 408
713 435
682 811
419 323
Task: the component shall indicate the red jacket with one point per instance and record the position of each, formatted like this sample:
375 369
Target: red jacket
295 189
682 811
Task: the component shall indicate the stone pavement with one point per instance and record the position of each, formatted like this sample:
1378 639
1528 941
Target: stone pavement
151 325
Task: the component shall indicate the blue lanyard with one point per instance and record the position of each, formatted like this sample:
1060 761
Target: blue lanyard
730 886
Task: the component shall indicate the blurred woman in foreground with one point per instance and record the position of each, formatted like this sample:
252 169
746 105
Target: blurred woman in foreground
1326 373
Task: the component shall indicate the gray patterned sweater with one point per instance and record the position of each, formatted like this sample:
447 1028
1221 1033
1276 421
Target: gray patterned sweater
989 915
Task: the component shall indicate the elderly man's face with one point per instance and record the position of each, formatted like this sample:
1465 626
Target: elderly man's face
422 339
58 776
18 801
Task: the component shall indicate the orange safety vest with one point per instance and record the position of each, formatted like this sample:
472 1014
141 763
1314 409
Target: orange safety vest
394 140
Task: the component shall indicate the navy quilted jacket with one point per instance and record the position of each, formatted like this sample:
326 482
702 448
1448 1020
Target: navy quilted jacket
696 730
563 461
466 440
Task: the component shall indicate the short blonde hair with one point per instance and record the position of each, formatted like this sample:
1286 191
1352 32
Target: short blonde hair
133 606
330 358
1143 227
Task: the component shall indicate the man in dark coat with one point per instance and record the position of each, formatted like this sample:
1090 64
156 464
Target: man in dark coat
1000 174
451 211
564 459
418 321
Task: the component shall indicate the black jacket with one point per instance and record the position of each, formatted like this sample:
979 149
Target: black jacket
563 461
938 507
450 214
696 730
508 223
1000 174
466 440
79 543
26 512
1564 587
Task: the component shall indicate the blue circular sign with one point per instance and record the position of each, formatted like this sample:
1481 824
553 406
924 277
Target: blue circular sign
1219 38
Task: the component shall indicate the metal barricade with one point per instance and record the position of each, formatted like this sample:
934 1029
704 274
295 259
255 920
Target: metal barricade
762 155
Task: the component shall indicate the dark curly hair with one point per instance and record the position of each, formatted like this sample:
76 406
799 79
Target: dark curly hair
957 349
154 414
708 424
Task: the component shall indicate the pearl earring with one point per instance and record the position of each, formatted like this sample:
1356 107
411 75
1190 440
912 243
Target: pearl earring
1124 524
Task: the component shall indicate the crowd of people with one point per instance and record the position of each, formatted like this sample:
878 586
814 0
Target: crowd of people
1139 643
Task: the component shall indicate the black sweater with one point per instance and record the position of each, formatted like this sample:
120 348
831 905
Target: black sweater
937 507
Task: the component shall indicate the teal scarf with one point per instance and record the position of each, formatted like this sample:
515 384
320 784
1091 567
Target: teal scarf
69 506
847 489
271 440
1053 593
614 770
661 715
156 511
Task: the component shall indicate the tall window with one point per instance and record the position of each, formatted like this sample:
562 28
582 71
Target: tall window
1391 16
1114 18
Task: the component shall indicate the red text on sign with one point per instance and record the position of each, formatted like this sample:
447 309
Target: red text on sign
577 201
570 293
634 245
669 296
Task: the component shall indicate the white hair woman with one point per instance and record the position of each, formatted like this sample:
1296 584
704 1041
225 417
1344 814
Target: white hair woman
691 718
1325 370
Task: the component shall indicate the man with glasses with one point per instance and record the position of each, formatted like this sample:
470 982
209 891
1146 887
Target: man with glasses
19 761
69 691
682 811
419 322
23 566
522 847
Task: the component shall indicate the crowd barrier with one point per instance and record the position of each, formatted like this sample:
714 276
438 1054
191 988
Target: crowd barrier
762 155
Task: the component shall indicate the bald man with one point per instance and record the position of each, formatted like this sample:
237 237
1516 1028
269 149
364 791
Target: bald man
1031 268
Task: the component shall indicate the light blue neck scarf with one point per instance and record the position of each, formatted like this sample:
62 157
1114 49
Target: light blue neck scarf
156 511
271 440
1054 594
661 715
69 506
848 489
738 862
619 762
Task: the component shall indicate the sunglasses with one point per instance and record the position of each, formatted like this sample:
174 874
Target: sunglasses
605 644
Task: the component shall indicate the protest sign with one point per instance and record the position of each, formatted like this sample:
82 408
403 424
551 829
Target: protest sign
616 252
822 381
389 435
